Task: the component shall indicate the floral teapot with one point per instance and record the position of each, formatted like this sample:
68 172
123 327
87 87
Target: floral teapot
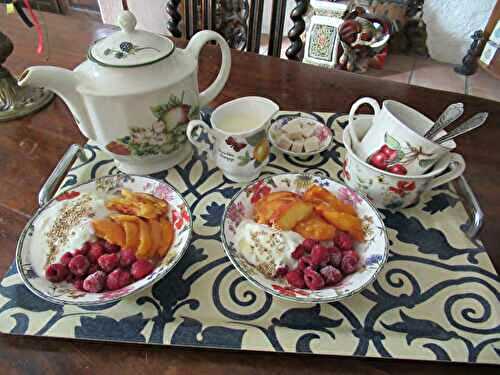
135 94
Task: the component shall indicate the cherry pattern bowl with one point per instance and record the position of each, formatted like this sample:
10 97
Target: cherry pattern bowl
373 251
30 257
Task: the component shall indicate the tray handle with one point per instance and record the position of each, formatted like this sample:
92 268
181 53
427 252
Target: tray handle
471 204
52 183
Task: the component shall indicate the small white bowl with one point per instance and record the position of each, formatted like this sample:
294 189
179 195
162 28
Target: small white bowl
28 250
322 132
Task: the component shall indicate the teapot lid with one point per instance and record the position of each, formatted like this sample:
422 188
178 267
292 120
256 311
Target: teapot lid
130 47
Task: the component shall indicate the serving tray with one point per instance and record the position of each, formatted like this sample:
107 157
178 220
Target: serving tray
437 298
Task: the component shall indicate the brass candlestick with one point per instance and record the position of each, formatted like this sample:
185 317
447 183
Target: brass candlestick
17 101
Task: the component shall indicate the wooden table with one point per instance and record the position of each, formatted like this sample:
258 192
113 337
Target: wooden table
30 148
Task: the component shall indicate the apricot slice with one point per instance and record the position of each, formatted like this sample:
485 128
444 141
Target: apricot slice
145 243
110 231
343 221
167 231
156 236
287 216
317 195
316 228
130 226
265 210
139 204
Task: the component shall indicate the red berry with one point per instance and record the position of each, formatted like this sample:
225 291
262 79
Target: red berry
94 282
79 265
79 252
108 262
281 271
379 160
299 252
304 262
66 258
111 248
335 256
309 244
319 255
349 264
127 257
343 240
353 253
96 250
296 278
93 268
78 284
331 275
118 279
397 169
313 279
86 247
141 268
56 272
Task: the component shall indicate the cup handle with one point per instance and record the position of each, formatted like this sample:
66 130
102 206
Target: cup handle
457 166
358 103
193 124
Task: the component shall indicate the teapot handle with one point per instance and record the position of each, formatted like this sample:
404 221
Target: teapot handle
195 45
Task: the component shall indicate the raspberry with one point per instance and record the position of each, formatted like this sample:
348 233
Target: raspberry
79 265
66 257
78 284
335 256
353 253
96 250
281 271
296 278
343 240
349 264
319 255
111 248
304 262
309 244
94 282
141 268
85 247
299 252
108 262
56 272
93 268
313 279
79 252
127 257
118 279
331 275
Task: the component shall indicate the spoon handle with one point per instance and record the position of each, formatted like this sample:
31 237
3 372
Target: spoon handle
450 114
475 121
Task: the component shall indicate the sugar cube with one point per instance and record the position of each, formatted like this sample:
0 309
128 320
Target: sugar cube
311 144
308 130
293 129
284 142
297 146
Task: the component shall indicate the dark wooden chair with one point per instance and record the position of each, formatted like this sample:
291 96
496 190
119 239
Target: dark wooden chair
240 22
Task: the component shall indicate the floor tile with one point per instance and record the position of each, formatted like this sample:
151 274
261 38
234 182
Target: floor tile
436 75
484 85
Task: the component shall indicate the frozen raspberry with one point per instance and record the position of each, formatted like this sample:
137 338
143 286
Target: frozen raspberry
349 264
331 275
78 284
56 272
127 257
79 252
313 279
319 255
70 278
79 265
296 278
108 262
299 252
304 262
96 250
110 248
353 253
94 282
93 268
335 256
66 257
118 279
281 271
309 244
343 240
141 268
86 247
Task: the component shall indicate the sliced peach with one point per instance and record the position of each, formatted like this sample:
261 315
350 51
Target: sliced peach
317 194
264 212
343 221
289 215
316 228
130 226
144 248
110 231
167 231
156 236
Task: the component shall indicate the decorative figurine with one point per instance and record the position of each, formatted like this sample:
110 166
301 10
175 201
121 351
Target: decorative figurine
469 62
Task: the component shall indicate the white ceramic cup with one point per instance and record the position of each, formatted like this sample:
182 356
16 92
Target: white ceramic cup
388 190
237 139
395 140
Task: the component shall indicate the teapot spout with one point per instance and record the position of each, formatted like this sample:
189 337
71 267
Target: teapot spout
64 83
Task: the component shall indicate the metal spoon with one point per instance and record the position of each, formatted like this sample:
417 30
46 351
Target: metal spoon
450 114
475 121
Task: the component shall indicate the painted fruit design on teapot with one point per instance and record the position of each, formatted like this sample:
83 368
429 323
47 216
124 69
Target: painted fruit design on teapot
166 135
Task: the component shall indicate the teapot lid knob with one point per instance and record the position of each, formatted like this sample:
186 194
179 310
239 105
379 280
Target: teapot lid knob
127 21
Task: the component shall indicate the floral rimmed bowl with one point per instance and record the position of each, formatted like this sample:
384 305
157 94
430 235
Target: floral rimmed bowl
31 258
373 251
322 134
